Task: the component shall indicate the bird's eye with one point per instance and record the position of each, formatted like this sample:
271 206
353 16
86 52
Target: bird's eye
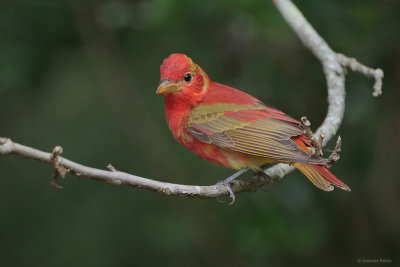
187 77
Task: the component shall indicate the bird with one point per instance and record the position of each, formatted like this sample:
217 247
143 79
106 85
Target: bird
233 129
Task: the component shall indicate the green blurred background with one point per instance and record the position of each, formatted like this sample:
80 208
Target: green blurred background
83 74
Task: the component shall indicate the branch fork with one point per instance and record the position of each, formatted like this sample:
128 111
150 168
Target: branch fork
356 66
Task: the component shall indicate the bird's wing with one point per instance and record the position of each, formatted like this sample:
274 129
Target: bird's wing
253 129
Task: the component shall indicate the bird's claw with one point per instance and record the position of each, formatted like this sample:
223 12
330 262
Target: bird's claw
231 194
227 183
266 177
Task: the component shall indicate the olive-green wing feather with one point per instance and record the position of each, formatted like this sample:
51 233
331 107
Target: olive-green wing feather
255 130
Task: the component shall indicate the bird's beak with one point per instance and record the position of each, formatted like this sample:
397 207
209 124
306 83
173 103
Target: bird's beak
167 87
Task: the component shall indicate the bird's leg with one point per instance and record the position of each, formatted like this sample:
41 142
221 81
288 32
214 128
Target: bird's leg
230 179
234 176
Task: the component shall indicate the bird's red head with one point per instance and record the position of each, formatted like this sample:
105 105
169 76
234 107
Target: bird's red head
182 79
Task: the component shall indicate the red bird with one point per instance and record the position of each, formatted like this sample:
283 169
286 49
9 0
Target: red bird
231 128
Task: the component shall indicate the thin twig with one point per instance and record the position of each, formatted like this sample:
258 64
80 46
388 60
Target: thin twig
306 124
58 168
335 155
354 65
320 143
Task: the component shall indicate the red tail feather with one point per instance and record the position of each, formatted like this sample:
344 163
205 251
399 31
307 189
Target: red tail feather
320 176
330 177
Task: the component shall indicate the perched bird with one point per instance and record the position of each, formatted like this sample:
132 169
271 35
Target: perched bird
231 128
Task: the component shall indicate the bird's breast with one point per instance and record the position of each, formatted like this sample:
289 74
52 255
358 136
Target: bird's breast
176 120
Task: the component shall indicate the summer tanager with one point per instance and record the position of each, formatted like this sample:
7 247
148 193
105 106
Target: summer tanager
231 128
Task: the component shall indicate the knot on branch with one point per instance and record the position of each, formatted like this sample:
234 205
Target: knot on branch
5 146
111 168
3 140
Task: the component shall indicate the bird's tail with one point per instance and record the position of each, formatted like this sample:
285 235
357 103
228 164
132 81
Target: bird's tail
321 177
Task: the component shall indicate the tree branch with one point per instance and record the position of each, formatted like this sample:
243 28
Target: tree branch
63 165
335 76
333 65
354 65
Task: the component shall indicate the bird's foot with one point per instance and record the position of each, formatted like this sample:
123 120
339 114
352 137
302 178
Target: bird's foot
227 181
228 187
269 180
